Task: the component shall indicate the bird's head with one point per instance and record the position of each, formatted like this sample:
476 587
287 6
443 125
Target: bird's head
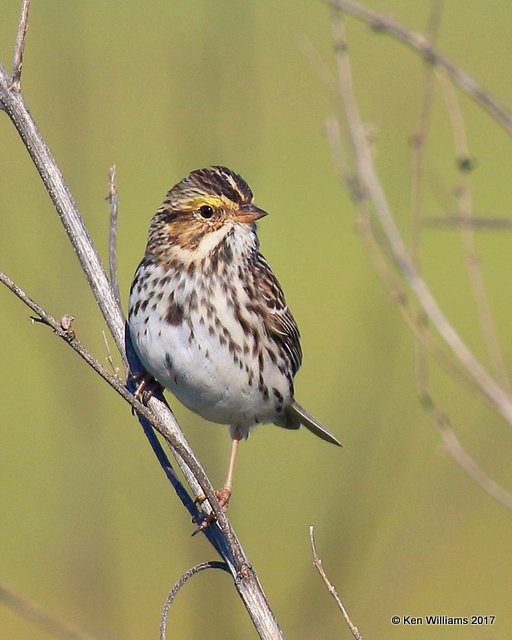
201 211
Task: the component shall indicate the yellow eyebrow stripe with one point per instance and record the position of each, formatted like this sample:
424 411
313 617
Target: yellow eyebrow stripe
212 200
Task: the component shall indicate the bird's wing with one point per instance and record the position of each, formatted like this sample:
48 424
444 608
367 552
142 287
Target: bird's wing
278 319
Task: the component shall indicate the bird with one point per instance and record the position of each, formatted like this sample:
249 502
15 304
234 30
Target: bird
208 318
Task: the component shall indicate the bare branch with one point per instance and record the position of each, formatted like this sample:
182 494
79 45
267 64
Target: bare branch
38 616
188 574
17 65
318 564
371 188
416 41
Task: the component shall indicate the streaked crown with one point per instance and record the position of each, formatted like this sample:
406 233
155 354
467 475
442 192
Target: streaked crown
215 181
206 201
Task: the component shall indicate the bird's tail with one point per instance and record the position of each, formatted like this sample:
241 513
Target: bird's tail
296 415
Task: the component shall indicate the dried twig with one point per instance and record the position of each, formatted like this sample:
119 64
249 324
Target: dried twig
461 456
416 41
457 220
419 137
318 564
19 49
227 545
113 201
39 617
188 574
110 359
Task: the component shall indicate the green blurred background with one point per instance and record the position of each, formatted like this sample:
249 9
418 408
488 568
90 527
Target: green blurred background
89 527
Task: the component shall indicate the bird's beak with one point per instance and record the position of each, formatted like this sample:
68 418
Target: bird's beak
249 213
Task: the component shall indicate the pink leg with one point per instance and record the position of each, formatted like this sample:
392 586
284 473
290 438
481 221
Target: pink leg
225 493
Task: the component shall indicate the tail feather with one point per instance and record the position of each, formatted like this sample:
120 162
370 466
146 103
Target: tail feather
296 415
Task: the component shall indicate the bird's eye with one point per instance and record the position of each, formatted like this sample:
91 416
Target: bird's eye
206 211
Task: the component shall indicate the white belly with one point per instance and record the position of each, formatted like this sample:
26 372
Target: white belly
207 364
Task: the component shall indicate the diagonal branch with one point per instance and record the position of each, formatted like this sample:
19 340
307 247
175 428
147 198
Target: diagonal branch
417 41
330 587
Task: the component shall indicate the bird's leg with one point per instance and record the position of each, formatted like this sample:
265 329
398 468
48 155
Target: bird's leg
224 494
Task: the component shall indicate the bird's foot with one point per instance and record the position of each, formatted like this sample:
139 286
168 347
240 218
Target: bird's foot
223 496
147 386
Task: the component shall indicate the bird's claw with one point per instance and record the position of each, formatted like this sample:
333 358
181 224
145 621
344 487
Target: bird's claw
143 380
223 496
204 523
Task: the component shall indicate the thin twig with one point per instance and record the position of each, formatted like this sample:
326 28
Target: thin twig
38 616
372 188
113 200
384 24
465 206
110 359
457 220
213 564
461 456
318 564
19 49
450 440
66 207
